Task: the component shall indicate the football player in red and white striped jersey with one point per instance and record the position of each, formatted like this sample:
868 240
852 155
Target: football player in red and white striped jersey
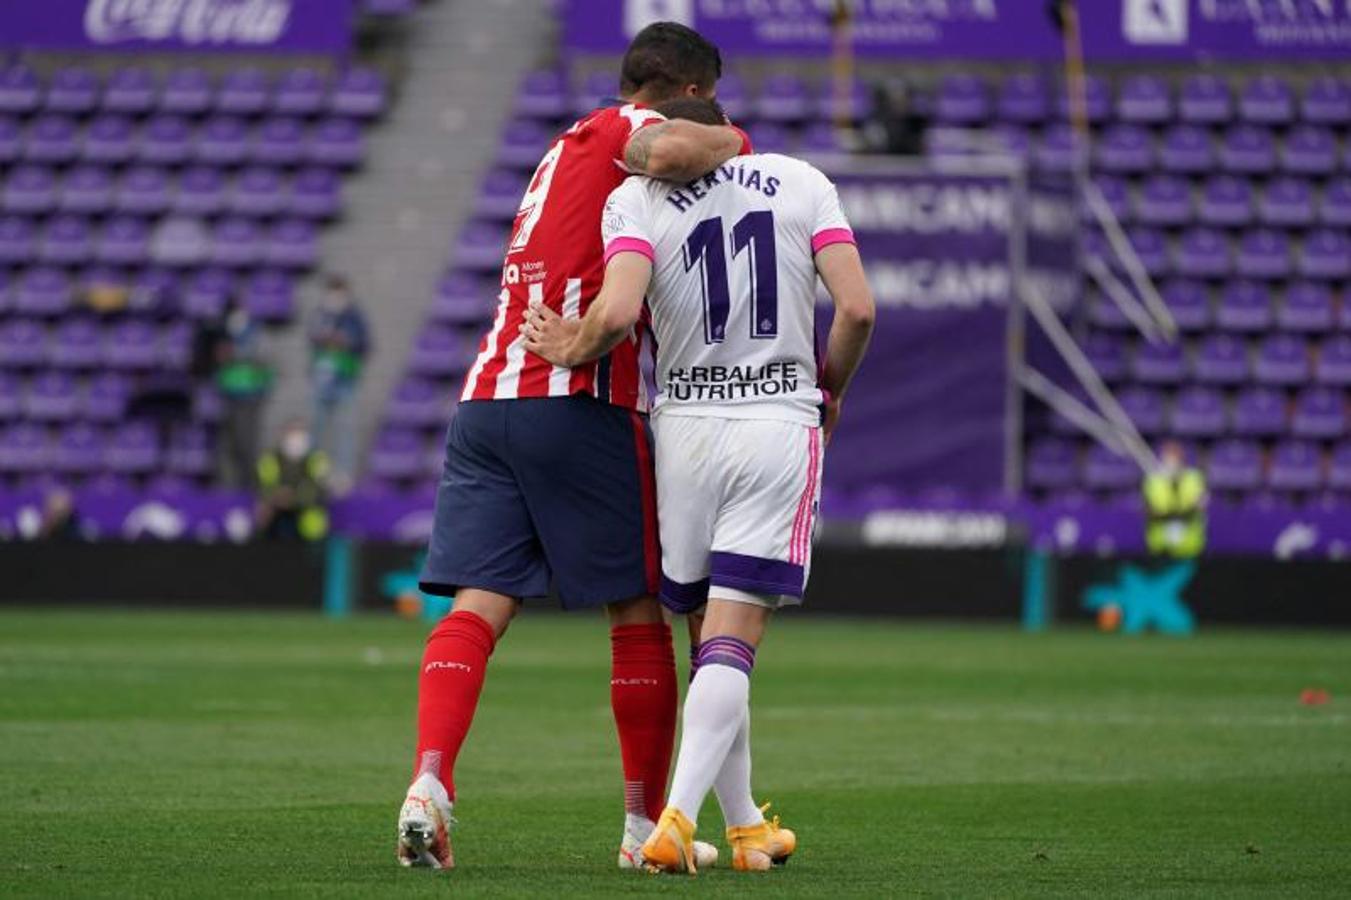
548 478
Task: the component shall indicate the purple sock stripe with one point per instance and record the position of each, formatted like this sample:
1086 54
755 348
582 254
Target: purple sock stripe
732 662
727 651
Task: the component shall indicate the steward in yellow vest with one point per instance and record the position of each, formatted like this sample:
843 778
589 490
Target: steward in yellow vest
1175 499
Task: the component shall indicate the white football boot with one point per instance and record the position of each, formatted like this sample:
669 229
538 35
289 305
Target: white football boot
637 829
424 825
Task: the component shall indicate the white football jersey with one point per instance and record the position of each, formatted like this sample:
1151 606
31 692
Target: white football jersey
733 292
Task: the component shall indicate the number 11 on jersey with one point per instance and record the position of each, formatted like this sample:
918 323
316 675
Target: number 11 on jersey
706 248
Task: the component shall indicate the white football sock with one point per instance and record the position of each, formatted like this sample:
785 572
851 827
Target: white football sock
715 706
733 784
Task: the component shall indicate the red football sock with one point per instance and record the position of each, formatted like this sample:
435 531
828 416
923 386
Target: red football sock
643 697
453 667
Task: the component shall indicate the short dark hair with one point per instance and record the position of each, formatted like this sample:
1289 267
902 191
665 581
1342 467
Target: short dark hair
695 109
665 57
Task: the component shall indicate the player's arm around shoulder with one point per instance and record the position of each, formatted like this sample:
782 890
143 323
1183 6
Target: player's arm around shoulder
680 150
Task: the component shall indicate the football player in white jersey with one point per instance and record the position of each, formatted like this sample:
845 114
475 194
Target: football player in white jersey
728 264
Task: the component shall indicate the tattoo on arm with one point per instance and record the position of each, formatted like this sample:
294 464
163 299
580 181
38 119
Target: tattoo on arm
639 147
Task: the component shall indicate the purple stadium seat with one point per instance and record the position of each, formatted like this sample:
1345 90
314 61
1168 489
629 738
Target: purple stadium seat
1151 246
180 241
1012 140
1052 463
106 398
856 105
1158 363
292 244
132 449
461 299
479 247
1286 203
1205 99
598 89
1125 148
439 352
222 141
315 194
1307 308
75 344
1203 253
78 450
1282 359
279 142
523 144
124 241
257 192
1309 150
1104 313
51 140
207 405
1024 99
1259 412
1264 253
207 293
1334 361
358 92
1145 407
18 241
336 142
11 140
1235 465
770 137
236 243
418 403
42 291
24 449
1164 200
1244 306
397 454
1187 149
1320 413
787 98
1189 303
1220 359
201 192
66 241
1295 466
110 140
143 191
1334 210
87 190
29 189
300 92
1326 101
734 97
1339 467
187 91
175 346
131 344
165 140
821 137
1107 354
1116 191
1248 150
189 452
1198 412
1326 254
20 92
543 94
1097 100
131 90
500 195
23 343
51 397
1105 470
72 89
1266 100
1144 99
270 295
11 397
244 92
1226 201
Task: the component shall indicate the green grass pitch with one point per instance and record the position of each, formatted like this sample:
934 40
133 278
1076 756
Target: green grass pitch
198 755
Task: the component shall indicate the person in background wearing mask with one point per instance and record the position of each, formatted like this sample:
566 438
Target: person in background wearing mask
243 378
339 342
293 487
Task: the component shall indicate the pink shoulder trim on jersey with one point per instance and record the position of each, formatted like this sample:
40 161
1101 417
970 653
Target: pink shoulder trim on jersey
824 238
628 245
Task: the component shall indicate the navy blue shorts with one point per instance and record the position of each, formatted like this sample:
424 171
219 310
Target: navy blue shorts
546 490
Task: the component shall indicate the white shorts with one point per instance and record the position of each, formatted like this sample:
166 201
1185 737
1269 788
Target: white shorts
737 502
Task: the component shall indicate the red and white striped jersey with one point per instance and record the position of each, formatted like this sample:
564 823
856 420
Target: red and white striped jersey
556 255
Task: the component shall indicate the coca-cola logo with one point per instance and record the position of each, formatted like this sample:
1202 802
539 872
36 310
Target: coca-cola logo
197 22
